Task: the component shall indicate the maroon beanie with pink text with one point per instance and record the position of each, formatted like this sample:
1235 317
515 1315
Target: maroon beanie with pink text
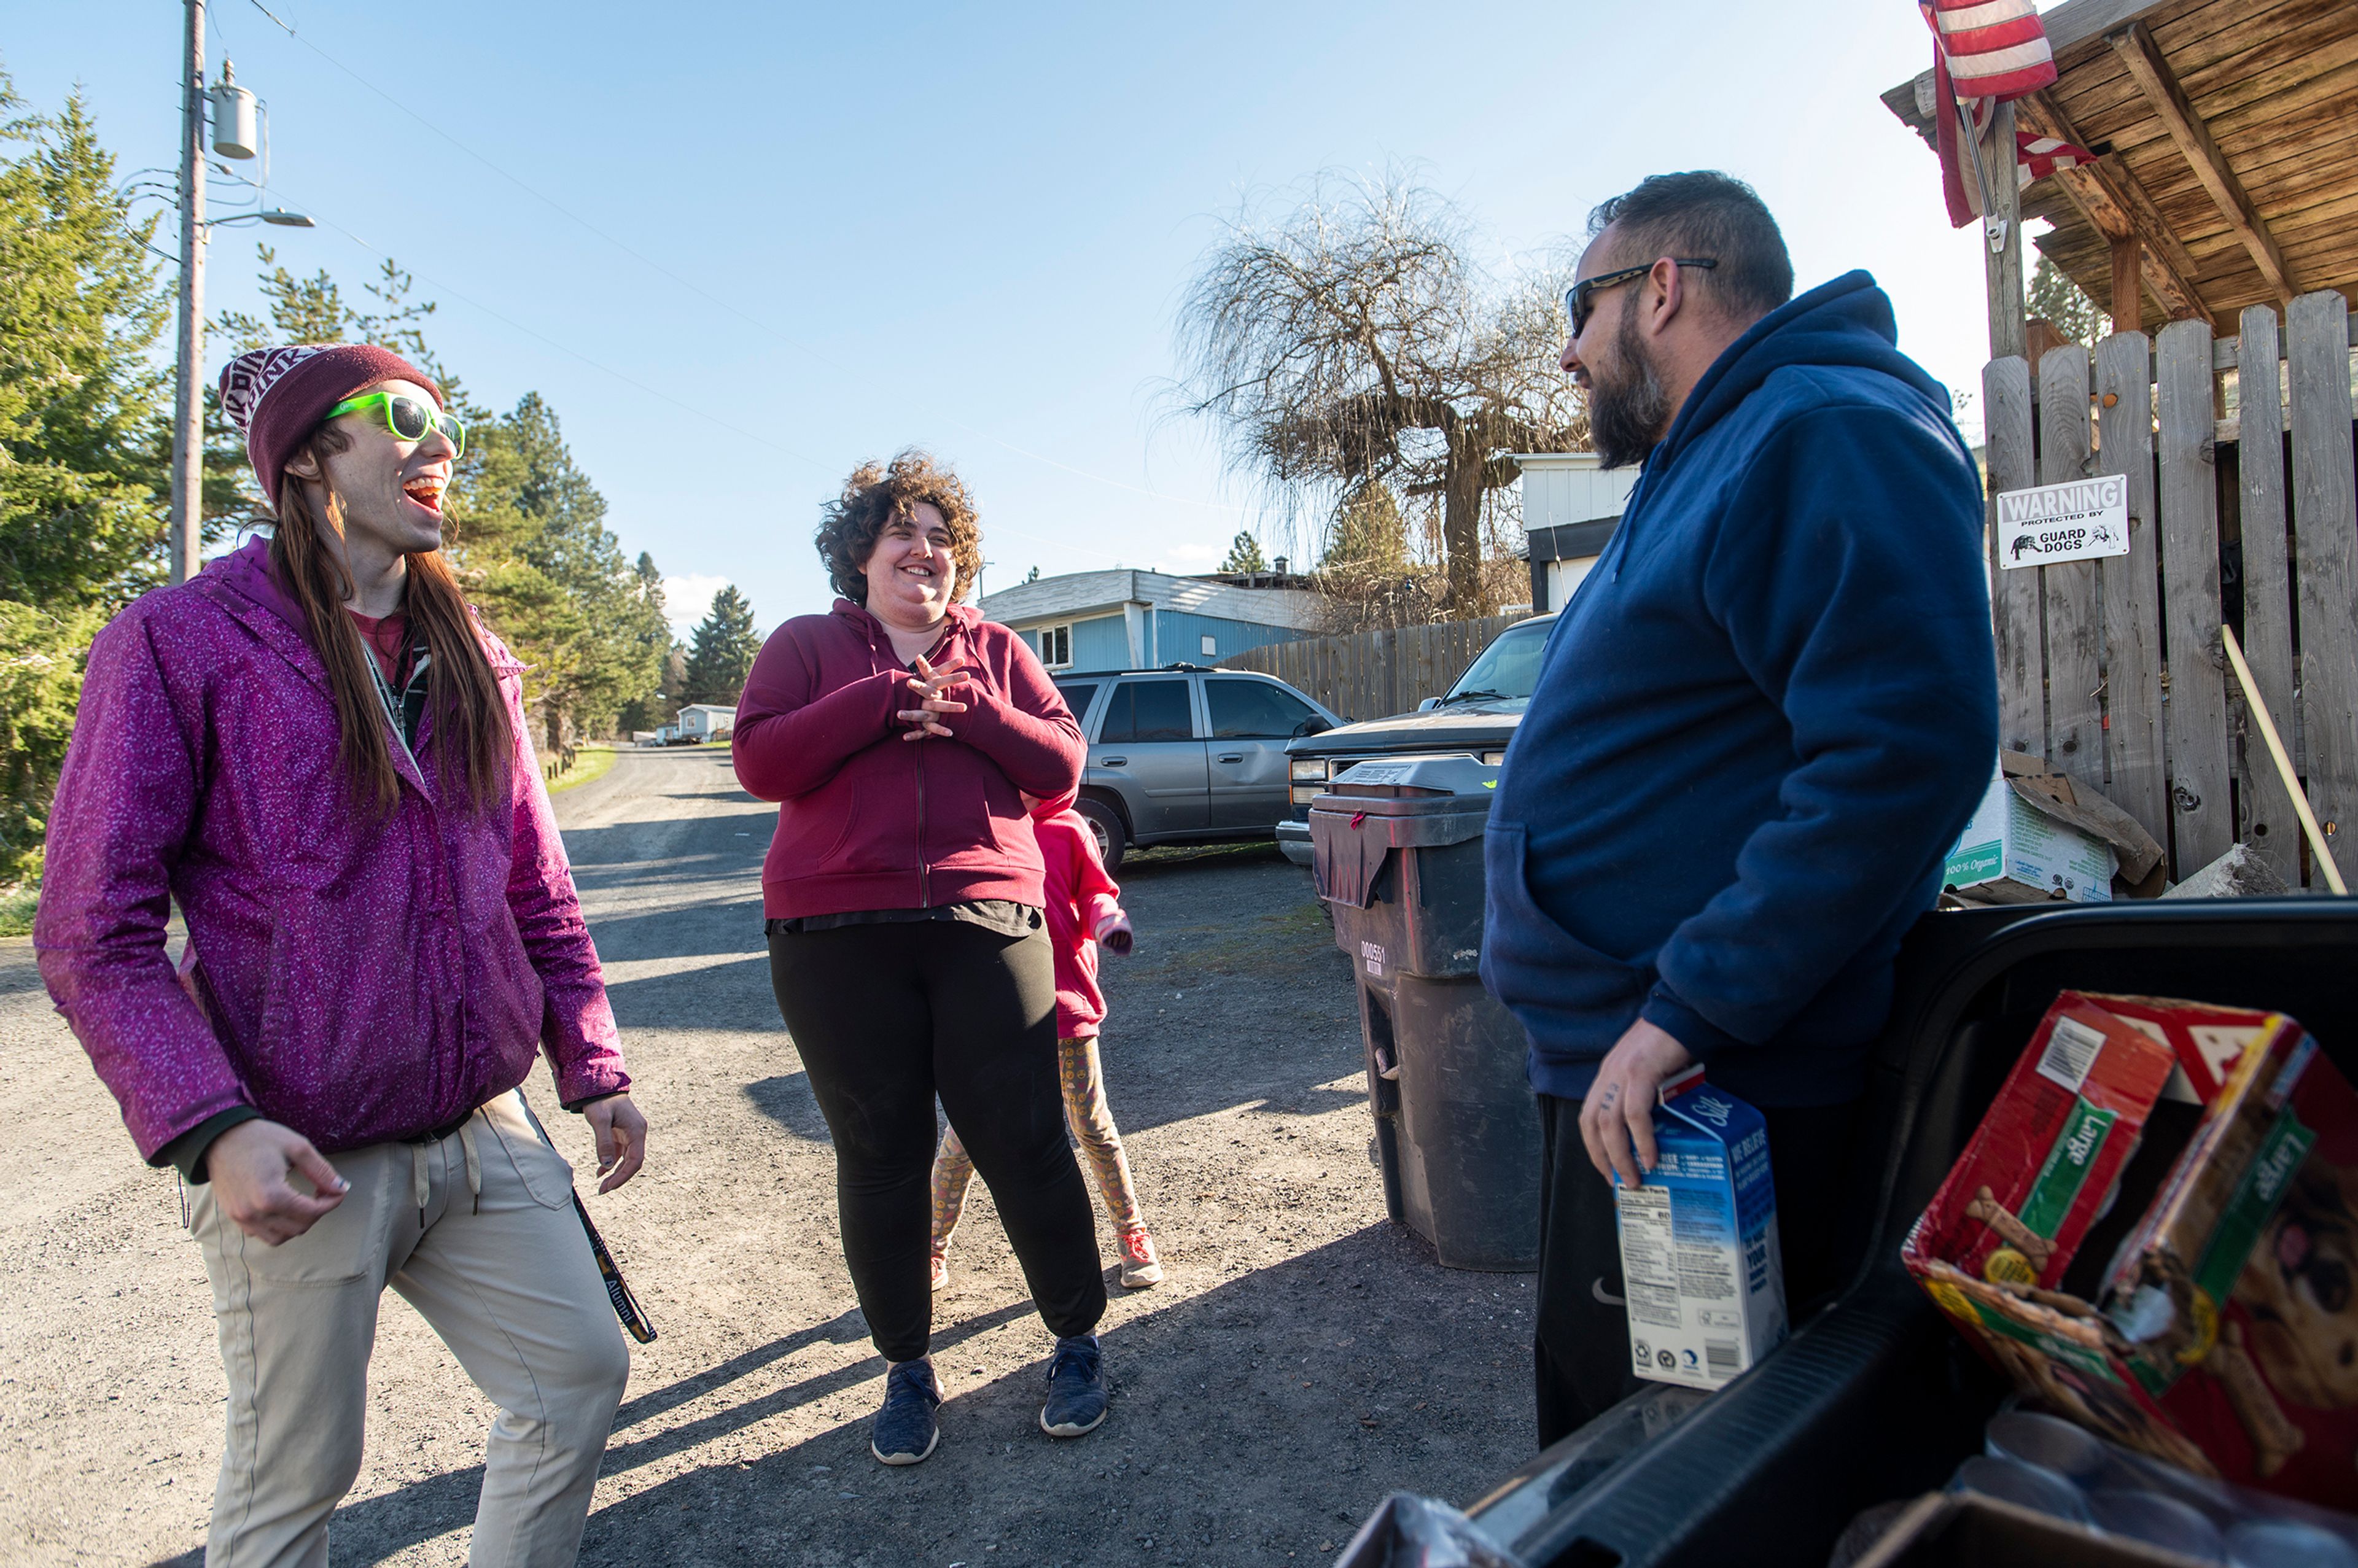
276 397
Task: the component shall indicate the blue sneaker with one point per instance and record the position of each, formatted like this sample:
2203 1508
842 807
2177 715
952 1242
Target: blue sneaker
905 1428
1077 1391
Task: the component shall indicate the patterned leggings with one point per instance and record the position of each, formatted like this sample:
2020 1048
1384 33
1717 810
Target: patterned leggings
1091 1121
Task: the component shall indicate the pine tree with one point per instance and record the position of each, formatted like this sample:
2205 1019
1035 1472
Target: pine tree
82 394
1244 556
84 440
645 711
2054 295
529 532
1370 533
723 650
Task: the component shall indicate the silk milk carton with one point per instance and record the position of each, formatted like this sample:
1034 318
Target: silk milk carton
1700 1264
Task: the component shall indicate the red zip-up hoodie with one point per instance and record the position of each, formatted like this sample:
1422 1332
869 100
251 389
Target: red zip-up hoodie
1080 894
867 820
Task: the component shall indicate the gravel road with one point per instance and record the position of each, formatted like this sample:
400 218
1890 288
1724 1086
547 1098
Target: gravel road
1303 1358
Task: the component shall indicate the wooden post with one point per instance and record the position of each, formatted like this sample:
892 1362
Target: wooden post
2197 727
2270 825
2128 301
2002 270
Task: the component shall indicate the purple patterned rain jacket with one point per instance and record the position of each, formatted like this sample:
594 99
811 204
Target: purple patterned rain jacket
357 977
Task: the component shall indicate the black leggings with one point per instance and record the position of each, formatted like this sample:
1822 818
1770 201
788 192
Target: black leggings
886 1018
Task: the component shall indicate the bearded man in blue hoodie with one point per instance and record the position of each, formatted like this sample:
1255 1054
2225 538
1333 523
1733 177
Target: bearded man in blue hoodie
1760 725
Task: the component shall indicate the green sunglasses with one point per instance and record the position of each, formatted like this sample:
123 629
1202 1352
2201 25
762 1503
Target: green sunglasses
409 418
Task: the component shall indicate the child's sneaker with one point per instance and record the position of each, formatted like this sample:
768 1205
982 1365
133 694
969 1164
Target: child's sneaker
1140 1267
937 1271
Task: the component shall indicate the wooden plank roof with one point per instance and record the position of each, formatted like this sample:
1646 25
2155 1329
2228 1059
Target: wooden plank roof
2229 136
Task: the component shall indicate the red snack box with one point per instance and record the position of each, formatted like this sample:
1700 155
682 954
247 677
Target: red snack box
2042 1165
2228 1339
2234 1303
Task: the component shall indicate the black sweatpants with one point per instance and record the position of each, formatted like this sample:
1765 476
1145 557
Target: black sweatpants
888 1017
1580 1351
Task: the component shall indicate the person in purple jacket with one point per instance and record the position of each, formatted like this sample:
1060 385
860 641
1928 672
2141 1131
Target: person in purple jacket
316 752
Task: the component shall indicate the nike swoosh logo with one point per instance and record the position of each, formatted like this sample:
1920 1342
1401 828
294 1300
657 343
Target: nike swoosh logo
1597 1288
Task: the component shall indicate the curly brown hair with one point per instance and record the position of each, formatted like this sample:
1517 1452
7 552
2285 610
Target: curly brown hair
873 496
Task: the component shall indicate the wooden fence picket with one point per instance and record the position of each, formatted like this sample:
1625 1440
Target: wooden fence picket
2270 825
2071 606
2131 587
2014 594
2325 533
1372 675
2196 714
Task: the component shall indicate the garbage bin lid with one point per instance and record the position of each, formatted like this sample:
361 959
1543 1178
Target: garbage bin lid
1418 778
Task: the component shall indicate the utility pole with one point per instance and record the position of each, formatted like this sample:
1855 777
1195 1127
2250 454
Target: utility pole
188 397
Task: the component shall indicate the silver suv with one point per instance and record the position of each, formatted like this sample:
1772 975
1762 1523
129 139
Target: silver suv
1186 755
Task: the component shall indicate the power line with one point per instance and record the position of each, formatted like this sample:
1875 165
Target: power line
571 352
702 293
630 380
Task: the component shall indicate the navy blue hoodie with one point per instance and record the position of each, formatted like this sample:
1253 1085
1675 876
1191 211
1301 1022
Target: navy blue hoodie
1760 723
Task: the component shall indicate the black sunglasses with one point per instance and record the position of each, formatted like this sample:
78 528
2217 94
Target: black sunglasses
1579 300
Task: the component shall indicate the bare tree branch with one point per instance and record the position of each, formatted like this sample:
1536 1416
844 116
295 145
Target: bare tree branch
1354 342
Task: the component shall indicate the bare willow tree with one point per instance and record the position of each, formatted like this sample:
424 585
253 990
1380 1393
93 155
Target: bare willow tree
1354 342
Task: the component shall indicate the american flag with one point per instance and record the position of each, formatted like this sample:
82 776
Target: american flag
1984 53
1993 48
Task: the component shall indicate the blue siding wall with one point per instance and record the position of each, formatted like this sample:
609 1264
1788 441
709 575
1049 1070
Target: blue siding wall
1179 637
1100 644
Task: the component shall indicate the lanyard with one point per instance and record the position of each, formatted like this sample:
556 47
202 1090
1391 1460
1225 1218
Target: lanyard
400 710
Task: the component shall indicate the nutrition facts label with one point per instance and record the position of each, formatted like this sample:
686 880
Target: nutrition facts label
1650 1277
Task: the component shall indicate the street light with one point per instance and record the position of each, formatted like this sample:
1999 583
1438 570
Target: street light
240 125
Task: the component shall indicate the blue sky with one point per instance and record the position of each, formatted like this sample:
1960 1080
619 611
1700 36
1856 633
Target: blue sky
810 236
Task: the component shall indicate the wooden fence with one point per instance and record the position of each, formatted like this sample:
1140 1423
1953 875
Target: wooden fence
2113 670
1371 675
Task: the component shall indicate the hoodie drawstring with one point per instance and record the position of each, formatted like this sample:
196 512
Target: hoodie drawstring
470 1156
474 1163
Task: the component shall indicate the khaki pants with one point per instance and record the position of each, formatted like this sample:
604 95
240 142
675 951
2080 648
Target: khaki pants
503 1274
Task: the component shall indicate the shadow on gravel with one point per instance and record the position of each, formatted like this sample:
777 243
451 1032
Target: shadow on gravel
375 1528
686 1000
787 1100
1259 1420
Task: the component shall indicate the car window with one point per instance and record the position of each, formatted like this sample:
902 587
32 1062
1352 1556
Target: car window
1508 666
1252 710
1077 696
1148 711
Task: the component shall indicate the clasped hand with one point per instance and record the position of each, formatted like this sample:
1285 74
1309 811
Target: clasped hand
933 689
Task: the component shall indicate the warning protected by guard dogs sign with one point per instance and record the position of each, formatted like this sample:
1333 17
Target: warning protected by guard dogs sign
2082 520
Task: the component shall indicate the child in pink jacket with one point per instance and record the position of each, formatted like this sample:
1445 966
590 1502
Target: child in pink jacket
1084 913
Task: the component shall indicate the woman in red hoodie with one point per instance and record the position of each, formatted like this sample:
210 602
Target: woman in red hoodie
902 896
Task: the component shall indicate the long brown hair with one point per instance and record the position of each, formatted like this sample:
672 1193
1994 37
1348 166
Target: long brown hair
473 745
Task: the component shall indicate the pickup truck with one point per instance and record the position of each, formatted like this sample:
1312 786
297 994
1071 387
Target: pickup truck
1474 718
1874 1398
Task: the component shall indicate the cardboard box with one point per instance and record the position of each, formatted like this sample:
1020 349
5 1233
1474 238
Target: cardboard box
1700 1263
2227 1342
2043 1162
1959 1530
2018 849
